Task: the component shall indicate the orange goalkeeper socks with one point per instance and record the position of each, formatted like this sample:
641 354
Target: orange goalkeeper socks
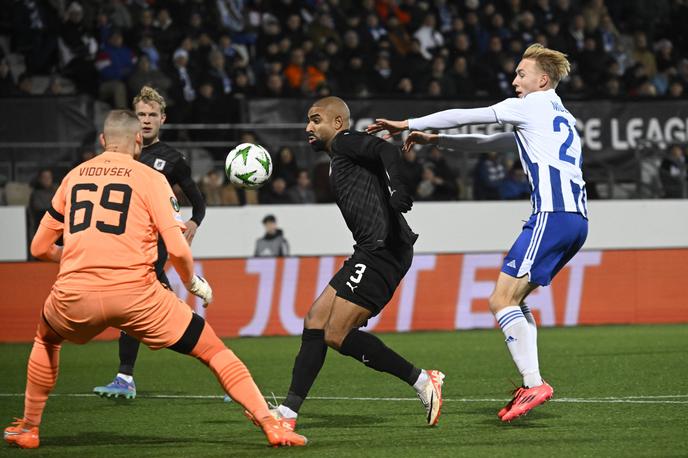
41 377
230 372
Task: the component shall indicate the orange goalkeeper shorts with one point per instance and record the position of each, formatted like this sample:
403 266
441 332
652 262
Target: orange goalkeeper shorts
150 313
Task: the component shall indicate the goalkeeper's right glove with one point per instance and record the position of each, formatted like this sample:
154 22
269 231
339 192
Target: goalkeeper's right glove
198 286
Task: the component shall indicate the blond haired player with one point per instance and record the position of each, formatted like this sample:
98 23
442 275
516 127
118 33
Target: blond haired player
149 107
550 151
110 211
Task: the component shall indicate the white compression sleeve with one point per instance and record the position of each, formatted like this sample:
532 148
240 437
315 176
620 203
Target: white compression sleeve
501 143
453 118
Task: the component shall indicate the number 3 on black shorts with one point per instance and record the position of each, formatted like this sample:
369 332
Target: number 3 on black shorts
356 278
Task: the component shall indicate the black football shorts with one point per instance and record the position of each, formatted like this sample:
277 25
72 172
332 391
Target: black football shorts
370 277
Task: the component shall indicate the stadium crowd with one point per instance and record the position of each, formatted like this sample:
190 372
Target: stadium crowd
206 56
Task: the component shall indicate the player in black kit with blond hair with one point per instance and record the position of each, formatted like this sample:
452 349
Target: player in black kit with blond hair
149 107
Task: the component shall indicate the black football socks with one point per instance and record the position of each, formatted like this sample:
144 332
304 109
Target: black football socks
128 350
307 366
372 352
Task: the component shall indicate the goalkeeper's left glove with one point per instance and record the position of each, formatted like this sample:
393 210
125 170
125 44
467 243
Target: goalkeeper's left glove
198 286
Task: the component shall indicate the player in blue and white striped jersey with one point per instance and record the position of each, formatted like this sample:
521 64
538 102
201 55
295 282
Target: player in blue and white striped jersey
550 151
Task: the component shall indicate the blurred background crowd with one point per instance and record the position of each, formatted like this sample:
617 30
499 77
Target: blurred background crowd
206 56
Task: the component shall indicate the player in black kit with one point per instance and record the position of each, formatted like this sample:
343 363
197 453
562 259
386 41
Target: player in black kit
365 179
149 106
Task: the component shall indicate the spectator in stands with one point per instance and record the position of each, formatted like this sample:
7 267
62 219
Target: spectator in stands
463 83
321 179
25 84
302 191
410 169
235 54
273 243
147 75
33 33
208 108
555 39
642 55
218 73
115 62
182 90
429 37
56 87
439 74
166 33
295 71
382 75
285 166
78 49
7 86
83 154
576 36
487 177
147 48
592 62
443 170
274 86
355 80
434 187
243 87
275 193
503 78
41 197
676 89
214 189
515 185
672 173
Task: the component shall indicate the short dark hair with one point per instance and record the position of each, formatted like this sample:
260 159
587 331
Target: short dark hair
269 218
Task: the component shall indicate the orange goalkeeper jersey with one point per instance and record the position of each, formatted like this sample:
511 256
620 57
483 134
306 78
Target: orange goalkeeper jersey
111 210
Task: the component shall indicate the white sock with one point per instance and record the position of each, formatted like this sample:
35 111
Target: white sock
125 377
422 380
533 325
521 343
286 412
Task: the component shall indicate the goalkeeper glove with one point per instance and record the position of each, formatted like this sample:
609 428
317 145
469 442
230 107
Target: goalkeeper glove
198 286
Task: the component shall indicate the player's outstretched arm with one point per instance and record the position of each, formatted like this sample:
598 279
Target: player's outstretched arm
420 138
43 244
504 142
453 118
392 127
441 120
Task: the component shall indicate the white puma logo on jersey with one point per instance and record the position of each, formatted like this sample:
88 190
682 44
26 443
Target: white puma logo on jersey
351 286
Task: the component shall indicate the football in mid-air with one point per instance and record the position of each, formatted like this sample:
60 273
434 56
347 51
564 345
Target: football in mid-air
248 166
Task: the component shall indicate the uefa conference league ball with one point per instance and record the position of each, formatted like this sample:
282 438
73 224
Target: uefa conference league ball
248 166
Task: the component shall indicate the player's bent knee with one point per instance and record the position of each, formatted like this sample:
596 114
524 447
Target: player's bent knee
191 336
334 337
208 345
498 301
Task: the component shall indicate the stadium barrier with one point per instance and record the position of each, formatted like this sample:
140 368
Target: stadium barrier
268 296
444 227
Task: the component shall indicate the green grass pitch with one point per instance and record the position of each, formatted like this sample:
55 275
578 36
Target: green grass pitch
619 391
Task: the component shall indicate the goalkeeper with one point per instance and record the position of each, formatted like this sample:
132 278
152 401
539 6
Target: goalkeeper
110 211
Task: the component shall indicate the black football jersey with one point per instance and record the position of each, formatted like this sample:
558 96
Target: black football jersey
361 188
171 163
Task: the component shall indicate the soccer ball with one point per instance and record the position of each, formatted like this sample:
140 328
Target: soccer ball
248 166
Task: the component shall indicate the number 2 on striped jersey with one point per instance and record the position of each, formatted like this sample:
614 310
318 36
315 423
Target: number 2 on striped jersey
556 124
